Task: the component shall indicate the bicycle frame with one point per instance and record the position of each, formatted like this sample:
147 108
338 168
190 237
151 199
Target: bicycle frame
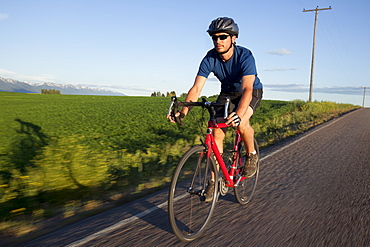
210 141
212 147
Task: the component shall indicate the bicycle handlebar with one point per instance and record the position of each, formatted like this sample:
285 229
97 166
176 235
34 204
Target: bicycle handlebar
205 104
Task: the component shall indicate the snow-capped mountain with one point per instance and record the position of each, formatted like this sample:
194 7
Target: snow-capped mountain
10 85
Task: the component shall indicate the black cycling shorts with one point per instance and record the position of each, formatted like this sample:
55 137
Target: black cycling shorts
235 99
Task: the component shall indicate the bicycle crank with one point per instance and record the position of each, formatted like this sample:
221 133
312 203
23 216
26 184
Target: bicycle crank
222 187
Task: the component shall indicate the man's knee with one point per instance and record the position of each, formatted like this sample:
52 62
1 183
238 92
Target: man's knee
218 133
245 121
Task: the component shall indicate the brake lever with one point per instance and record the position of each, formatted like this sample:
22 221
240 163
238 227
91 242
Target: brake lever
173 99
171 112
227 103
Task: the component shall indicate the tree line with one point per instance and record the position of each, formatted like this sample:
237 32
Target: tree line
50 91
168 94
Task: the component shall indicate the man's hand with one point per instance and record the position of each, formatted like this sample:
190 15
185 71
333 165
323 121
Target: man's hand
233 120
176 118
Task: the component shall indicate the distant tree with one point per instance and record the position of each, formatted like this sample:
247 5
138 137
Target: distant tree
50 91
183 95
172 93
158 94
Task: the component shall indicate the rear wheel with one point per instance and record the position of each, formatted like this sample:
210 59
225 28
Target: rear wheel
246 186
188 212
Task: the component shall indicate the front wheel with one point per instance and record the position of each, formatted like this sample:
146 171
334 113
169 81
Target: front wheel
246 187
188 212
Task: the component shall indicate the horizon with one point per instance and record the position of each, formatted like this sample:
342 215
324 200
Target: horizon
296 89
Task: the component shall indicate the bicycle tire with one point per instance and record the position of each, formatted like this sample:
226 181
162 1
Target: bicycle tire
244 191
188 213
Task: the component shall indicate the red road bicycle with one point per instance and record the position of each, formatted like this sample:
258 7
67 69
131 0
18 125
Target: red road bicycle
188 212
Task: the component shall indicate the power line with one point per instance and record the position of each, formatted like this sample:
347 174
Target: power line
348 60
314 45
331 45
301 3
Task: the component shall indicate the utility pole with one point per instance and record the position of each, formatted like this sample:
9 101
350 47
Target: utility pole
363 98
314 45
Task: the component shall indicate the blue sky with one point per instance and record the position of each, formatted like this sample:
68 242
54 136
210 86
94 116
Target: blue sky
138 47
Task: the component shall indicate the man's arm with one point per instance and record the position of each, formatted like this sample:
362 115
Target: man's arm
192 96
194 91
247 89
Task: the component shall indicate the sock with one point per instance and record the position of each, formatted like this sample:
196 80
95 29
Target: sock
254 152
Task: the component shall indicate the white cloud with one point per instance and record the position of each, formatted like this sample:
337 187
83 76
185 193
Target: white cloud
280 69
300 88
122 87
50 78
5 72
3 16
286 87
141 89
31 78
279 52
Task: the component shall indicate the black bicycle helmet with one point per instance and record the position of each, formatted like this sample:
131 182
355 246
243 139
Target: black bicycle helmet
223 25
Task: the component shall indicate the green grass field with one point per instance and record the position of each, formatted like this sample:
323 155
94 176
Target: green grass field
65 154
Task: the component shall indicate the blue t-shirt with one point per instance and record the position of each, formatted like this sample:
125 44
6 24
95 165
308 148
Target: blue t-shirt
230 73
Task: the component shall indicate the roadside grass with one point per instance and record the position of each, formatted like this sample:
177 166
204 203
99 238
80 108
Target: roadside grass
276 122
65 157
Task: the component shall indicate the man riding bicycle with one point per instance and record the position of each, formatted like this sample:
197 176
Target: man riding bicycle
235 68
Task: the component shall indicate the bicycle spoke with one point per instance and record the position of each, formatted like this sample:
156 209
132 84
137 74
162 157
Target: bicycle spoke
246 186
188 212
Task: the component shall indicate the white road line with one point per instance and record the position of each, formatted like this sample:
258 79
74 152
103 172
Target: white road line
116 226
148 211
120 224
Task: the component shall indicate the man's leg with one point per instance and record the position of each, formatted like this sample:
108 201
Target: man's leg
247 131
219 135
247 134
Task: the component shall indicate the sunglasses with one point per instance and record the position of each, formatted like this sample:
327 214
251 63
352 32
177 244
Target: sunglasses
221 37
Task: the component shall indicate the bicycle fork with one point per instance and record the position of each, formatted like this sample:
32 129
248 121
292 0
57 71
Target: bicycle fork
199 191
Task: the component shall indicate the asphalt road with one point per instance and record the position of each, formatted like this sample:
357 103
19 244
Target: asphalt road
313 191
